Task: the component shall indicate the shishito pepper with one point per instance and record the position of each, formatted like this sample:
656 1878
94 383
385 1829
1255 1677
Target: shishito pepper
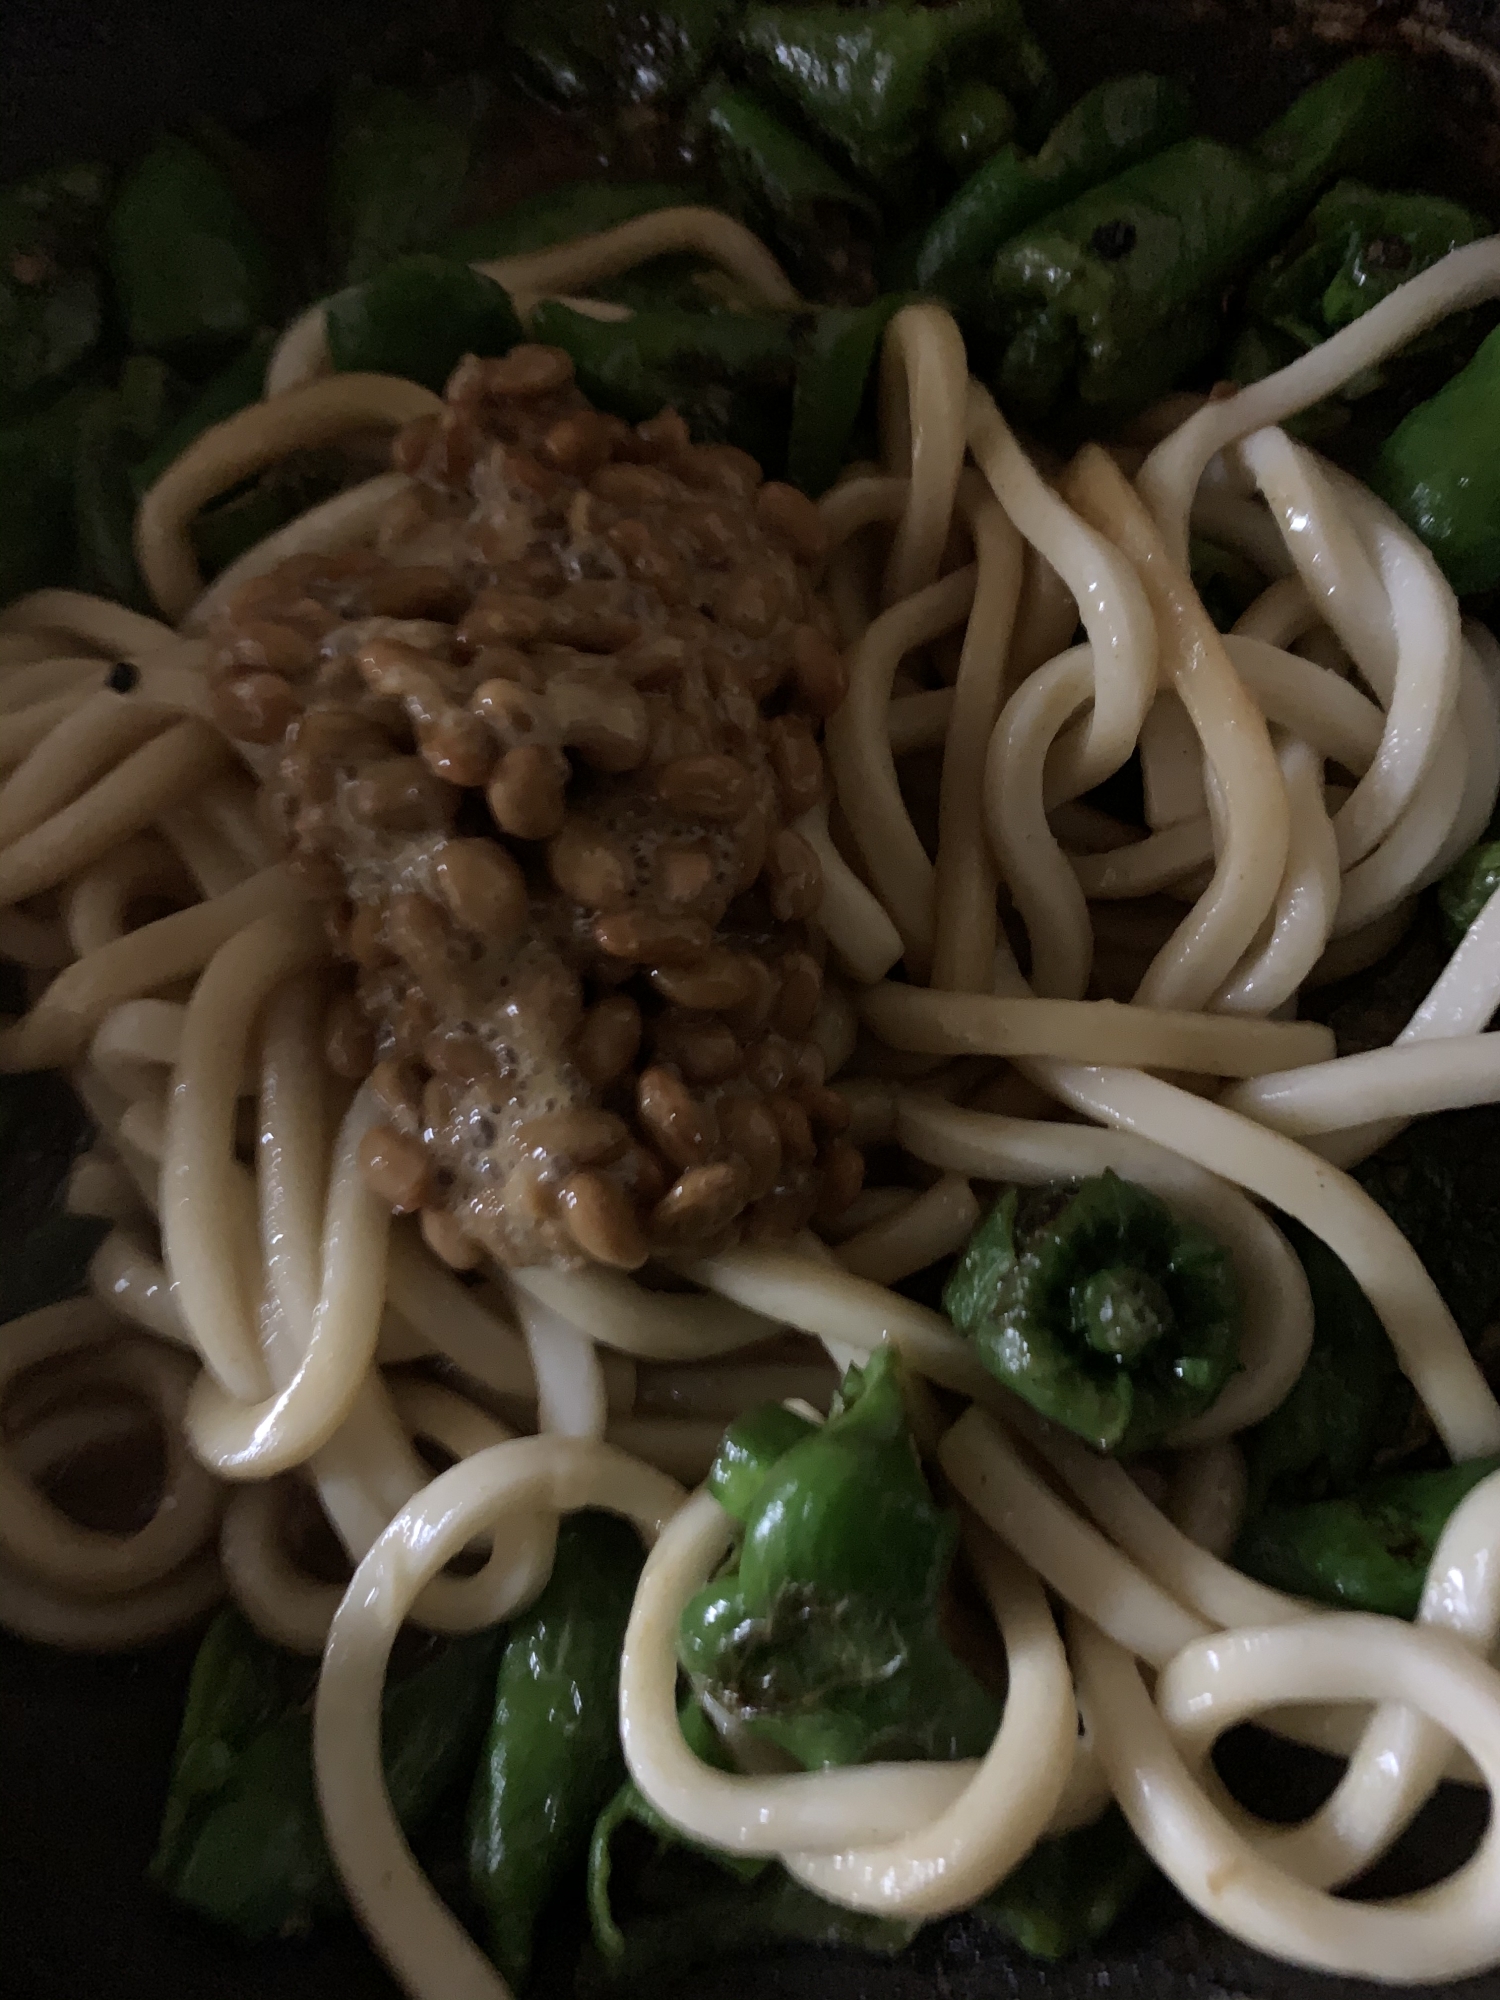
51 309
1468 886
551 1759
824 1638
1113 127
1440 470
835 359
190 270
1103 1309
583 52
418 318
1367 1552
729 374
786 187
976 121
1355 248
1110 299
872 81
1350 1401
242 1839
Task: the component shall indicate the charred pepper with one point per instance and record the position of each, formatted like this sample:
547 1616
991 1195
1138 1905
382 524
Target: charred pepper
1110 299
1113 127
824 1637
1367 1552
1103 1309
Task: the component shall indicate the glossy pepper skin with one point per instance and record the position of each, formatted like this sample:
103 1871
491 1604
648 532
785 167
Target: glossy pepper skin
242 1839
976 121
1468 886
1101 1308
815 215
729 374
1109 300
1440 470
872 81
836 355
1367 1552
1355 248
581 52
418 318
551 1758
191 273
1350 1402
51 302
824 1638
1113 127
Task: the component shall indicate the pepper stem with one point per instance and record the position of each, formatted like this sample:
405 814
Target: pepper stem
1121 1311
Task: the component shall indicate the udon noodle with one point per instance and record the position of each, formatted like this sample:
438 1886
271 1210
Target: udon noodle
256 1310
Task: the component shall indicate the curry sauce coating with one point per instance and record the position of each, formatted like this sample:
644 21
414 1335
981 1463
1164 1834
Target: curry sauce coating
541 749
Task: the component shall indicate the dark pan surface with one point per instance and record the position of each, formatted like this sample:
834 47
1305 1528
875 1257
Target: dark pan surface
85 1743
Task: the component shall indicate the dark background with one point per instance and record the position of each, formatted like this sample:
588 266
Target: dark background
85 1743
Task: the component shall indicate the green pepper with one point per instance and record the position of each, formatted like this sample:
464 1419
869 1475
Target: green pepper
835 360
1119 293
1468 886
824 1637
1367 1552
578 208
1439 1181
976 121
692 1922
419 318
748 1450
728 374
551 1759
1350 1401
630 1807
242 1839
51 310
788 190
1355 248
1070 1891
584 53
398 166
190 271
1440 470
239 1684
1104 1310
872 80
1113 127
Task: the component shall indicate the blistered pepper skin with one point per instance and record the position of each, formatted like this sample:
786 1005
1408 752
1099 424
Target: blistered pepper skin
1100 1307
824 1639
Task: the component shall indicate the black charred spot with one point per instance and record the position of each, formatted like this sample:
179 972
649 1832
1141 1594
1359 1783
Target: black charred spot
123 677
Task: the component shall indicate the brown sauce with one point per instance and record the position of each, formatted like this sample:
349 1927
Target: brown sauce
542 748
